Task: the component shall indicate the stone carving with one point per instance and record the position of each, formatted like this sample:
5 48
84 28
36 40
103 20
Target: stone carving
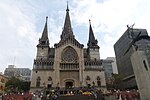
134 38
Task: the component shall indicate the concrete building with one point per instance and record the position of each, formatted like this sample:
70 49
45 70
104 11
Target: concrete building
3 80
68 64
107 64
21 73
114 65
123 54
110 67
10 71
141 67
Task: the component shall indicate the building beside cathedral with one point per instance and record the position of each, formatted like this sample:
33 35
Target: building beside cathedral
68 64
123 58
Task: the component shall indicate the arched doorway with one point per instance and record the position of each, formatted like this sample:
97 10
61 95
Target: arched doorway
69 83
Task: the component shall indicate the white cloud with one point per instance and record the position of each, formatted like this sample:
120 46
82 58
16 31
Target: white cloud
17 36
54 32
110 17
22 23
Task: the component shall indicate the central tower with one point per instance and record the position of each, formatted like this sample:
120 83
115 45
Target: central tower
69 57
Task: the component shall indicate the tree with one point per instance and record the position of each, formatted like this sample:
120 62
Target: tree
25 86
116 80
16 85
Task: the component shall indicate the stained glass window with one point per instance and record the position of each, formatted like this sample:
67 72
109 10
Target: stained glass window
69 55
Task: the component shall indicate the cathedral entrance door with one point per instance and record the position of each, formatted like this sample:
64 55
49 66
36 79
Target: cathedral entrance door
69 84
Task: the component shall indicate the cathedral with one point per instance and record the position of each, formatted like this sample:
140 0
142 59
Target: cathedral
68 64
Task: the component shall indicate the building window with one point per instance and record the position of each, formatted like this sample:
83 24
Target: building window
88 78
69 55
98 81
38 82
49 78
2 80
98 78
145 65
49 86
93 83
0 87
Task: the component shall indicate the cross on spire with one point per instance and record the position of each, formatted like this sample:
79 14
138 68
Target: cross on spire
67 7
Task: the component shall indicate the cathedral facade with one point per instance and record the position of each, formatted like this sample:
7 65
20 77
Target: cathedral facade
68 64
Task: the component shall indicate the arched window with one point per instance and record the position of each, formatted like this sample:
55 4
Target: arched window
93 83
49 78
2 80
88 78
98 81
38 81
88 81
2 88
98 78
49 85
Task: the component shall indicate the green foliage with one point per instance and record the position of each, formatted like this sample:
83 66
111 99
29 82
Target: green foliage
117 80
16 85
25 86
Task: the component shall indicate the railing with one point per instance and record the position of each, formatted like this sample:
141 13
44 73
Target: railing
100 68
42 67
69 66
42 64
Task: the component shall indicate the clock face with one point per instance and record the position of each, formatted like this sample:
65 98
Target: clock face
41 53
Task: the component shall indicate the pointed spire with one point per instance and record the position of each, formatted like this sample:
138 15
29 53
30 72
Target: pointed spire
67 7
67 30
44 39
92 42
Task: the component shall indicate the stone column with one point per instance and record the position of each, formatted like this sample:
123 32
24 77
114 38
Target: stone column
141 70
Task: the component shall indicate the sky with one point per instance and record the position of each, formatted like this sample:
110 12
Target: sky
22 23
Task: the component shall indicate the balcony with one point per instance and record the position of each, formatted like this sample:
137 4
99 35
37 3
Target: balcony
69 66
96 68
44 67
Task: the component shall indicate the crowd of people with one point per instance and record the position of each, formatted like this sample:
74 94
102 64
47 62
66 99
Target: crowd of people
125 94
118 95
17 96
